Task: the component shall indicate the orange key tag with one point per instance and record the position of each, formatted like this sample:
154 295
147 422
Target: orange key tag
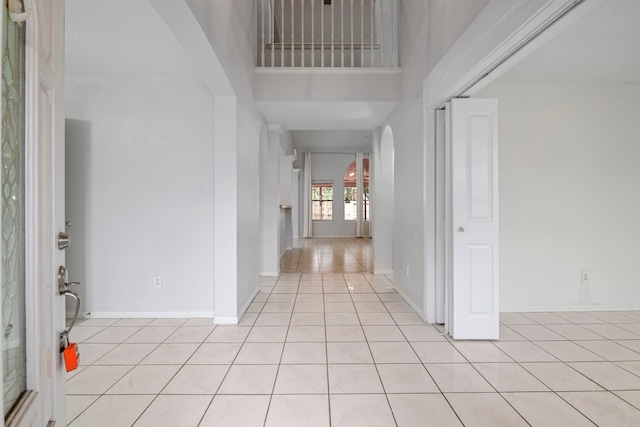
71 357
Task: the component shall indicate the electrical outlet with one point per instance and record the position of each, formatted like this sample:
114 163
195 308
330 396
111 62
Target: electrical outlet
585 276
157 282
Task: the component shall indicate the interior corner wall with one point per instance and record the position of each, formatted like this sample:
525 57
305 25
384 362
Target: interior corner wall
569 198
249 124
383 202
230 26
272 218
427 30
140 200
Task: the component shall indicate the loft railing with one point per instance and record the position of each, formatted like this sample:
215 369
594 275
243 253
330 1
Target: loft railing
327 33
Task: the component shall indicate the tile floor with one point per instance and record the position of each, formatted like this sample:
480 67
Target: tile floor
328 255
344 350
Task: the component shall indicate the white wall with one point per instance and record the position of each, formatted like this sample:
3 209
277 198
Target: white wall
569 198
139 169
383 201
248 126
230 28
427 30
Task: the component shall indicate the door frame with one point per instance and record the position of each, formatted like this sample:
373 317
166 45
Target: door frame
44 403
503 34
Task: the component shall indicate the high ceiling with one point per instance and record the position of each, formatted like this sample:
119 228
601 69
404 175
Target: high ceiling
120 38
602 46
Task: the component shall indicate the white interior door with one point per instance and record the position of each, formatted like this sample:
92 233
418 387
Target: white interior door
473 225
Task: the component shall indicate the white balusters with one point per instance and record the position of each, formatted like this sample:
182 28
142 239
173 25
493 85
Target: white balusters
293 36
352 51
322 34
381 34
340 39
372 40
282 35
342 33
262 35
362 33
333 32
273 33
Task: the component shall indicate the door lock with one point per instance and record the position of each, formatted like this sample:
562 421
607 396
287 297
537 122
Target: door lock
63 241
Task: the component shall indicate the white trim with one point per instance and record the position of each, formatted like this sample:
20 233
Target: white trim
225 320
385 272
344 236
569 308
409 302
149 314
329 71
269 274
248 303
25 411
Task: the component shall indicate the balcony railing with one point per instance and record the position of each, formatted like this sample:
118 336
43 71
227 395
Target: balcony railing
327 33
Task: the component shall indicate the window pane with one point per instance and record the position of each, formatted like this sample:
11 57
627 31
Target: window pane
327 211
327 193
366 213
317 210
315 193
350 204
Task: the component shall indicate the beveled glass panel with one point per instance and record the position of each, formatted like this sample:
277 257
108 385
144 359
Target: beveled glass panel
13 224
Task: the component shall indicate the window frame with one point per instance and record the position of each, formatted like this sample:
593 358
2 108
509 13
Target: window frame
322 185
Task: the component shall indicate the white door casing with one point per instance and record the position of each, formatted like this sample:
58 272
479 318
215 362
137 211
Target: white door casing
44 213
474 220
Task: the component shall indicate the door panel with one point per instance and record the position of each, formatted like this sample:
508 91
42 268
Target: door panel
474 227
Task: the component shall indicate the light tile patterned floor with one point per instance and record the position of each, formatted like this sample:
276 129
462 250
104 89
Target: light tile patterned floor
328 255
344 350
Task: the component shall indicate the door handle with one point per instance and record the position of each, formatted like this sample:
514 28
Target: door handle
63 290
75 314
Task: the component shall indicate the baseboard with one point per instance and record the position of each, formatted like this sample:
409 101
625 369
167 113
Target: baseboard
269 274
411 304
569 308
248 303
149 314
385 272
225 320
348 236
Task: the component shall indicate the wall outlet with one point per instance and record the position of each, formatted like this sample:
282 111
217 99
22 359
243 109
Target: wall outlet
157 282
585 276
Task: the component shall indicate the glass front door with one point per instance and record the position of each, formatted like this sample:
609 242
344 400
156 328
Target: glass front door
13 202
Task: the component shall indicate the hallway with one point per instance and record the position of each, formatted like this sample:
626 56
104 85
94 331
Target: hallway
328 255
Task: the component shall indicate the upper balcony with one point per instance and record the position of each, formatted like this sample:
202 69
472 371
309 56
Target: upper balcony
317 59
327 33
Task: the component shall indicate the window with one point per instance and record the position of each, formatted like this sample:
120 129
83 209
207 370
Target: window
322 202
350 203
351 193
